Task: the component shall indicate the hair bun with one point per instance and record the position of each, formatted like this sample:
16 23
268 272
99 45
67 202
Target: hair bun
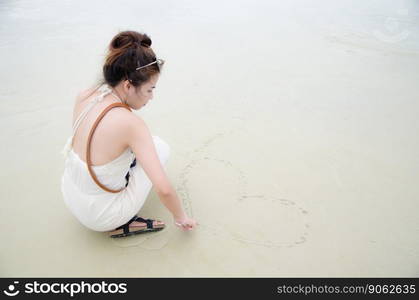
146 41
127 39
126 52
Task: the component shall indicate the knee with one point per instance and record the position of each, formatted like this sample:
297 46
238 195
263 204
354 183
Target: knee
162 148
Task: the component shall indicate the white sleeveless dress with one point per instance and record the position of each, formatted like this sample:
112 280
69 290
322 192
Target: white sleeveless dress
94 207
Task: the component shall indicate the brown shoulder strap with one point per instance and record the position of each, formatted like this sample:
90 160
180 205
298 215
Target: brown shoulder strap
89 139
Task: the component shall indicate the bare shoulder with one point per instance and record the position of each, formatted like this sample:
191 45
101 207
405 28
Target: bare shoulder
131 128
128 121
123 126
133 122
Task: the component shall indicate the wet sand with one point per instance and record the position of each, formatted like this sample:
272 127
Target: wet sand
293 130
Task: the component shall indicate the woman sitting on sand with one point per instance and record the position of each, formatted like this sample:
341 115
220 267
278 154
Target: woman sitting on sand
112 160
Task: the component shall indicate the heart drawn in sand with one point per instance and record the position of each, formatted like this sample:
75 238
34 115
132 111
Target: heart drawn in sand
227 210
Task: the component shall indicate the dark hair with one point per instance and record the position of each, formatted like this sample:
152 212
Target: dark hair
127 51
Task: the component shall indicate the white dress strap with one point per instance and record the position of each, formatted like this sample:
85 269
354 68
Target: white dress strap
105 90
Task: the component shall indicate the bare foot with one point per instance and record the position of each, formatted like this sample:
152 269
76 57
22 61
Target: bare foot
137 224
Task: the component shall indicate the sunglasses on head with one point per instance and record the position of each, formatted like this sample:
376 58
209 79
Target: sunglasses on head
158 61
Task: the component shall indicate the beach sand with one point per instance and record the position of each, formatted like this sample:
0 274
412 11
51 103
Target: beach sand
293 128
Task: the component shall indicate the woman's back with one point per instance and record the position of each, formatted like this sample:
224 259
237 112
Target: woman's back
109 141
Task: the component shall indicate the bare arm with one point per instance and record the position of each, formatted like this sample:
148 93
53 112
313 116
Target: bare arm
141 143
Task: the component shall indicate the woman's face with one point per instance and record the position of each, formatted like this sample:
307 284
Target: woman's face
139 97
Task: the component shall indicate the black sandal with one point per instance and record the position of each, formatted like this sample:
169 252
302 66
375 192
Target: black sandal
126 229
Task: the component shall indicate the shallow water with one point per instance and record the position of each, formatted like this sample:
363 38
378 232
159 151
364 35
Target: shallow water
293 128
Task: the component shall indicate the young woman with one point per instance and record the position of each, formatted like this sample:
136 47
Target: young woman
112 160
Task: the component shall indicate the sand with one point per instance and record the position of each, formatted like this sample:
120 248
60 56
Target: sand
293 128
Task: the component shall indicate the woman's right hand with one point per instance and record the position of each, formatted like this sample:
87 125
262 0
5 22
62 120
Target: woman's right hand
186 223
